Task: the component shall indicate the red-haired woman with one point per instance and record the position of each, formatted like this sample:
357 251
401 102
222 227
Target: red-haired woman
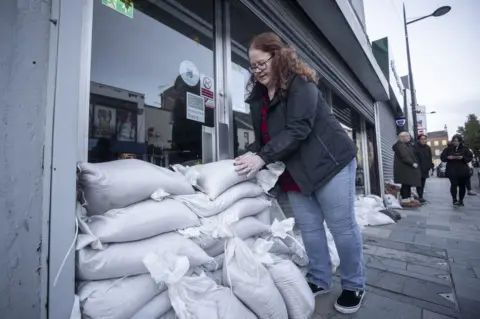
294 124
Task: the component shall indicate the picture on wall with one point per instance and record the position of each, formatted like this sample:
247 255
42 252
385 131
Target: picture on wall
104 120
126 126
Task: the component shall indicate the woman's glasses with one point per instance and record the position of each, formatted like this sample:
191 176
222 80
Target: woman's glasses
260 66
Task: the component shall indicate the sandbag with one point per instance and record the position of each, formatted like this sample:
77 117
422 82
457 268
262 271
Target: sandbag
394 215
116 298
169 315
332 249
125 259
155 308
203 206
143 220
194 297
250 281
293 287
391 202
122 183
245 228
213 178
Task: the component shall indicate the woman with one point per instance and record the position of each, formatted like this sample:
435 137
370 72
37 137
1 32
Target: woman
457 157
293 124
424 155
406 170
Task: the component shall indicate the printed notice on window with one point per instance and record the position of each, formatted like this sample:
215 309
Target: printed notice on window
195 107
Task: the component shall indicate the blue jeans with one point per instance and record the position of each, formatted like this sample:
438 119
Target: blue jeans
335 204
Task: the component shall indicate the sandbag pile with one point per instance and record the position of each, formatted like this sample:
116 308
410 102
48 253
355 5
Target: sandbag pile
155 243
371 211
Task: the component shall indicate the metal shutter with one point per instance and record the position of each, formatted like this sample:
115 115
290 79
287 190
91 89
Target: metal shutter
388 137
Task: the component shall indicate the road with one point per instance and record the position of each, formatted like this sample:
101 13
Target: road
427 266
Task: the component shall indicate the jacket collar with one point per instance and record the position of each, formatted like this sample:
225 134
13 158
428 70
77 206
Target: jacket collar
259 89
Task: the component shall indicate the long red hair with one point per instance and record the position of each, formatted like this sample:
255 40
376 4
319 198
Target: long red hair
285 61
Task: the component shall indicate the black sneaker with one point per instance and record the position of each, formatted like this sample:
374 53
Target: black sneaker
316 290
422 200
349 301
460 203
455 202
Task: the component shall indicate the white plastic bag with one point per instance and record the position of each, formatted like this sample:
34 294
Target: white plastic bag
251 282
203 206
155 308
143 220
125 259
332 249
194 297
289 280
213 178
116 298
391 202
169 315
122 183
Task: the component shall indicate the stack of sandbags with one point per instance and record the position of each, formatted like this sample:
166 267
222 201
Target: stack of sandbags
120 227
136 216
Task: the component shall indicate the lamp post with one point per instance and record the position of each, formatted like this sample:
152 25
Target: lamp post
437 13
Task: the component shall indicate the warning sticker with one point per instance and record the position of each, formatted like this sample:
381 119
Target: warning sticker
195 108
207 90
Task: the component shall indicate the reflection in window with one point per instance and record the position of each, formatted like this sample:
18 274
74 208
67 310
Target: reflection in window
435 143
167 58
444 142
437 152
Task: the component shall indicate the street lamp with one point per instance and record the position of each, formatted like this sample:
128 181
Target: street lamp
437 13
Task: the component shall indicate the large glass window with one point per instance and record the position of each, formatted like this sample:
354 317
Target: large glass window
152 82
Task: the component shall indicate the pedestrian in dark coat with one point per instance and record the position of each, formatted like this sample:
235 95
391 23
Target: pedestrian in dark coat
406 170
424 156
457 156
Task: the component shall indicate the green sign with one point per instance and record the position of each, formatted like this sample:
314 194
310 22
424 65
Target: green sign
120 6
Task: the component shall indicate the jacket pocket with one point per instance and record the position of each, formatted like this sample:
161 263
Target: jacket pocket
326 148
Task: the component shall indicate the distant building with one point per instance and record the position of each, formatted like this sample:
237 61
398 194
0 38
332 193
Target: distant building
438 141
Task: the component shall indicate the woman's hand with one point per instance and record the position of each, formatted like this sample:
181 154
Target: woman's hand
415 165
248 165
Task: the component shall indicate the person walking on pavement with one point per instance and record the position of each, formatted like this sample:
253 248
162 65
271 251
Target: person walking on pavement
424 156
293 124
406 170
457 157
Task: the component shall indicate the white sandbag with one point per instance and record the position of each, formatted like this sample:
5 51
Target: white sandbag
125 259
203 206
213 178
377 218
143 220
216 276
76 314
116 298
251 282
155 308
169 315
194 297
122 183
379 201
291 283
391 202
207 235
282 234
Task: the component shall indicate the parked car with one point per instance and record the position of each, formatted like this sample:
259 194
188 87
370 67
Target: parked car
441 169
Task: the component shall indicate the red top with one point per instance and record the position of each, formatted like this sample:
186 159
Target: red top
285 180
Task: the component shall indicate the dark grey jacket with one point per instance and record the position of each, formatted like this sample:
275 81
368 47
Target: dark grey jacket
304 133
403 171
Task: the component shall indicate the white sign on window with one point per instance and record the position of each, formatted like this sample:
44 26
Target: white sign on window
238 92
195 107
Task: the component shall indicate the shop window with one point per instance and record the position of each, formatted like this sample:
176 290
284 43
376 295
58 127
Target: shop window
152 82
444 142
372 160
435 143
437 152
244 26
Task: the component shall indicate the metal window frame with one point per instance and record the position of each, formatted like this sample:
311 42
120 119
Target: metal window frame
366 166
378 136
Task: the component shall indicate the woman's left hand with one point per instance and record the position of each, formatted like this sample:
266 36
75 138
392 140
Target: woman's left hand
248 165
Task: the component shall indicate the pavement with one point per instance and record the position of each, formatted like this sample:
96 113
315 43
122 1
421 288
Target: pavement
427 266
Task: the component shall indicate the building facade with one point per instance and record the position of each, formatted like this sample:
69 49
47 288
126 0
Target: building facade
438 141
163 81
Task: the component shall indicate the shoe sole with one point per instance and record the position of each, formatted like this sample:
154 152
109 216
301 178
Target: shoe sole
349 311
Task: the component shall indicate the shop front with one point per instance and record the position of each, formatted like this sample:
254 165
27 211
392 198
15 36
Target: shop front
165 81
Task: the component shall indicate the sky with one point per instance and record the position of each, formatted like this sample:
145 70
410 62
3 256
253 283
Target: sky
445 53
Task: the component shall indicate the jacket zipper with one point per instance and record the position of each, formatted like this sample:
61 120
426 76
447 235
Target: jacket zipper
328 151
